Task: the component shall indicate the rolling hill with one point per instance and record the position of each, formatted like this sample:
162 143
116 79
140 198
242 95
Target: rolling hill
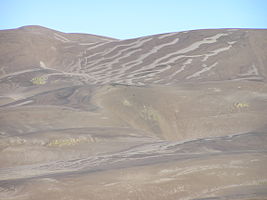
172 116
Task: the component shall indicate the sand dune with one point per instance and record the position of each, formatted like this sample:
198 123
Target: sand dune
172 116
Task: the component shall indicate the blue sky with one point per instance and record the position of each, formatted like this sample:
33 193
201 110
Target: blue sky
133 18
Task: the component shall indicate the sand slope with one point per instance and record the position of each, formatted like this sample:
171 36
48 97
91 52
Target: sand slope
171 116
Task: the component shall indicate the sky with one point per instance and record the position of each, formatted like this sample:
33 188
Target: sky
124 19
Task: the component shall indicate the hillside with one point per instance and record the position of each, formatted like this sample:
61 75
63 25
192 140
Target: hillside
172 116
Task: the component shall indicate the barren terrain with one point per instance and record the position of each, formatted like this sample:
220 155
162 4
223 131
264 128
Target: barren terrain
172 116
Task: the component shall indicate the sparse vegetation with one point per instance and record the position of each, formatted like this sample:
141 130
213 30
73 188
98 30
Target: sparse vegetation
66 142
125 102
148 113
39 80
241 105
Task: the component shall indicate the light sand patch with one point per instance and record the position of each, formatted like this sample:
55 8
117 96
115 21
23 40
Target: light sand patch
191 47
61 38
215 52
205 69
167 35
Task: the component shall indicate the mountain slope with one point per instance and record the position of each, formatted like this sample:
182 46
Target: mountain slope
203 55
32 46
170 116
